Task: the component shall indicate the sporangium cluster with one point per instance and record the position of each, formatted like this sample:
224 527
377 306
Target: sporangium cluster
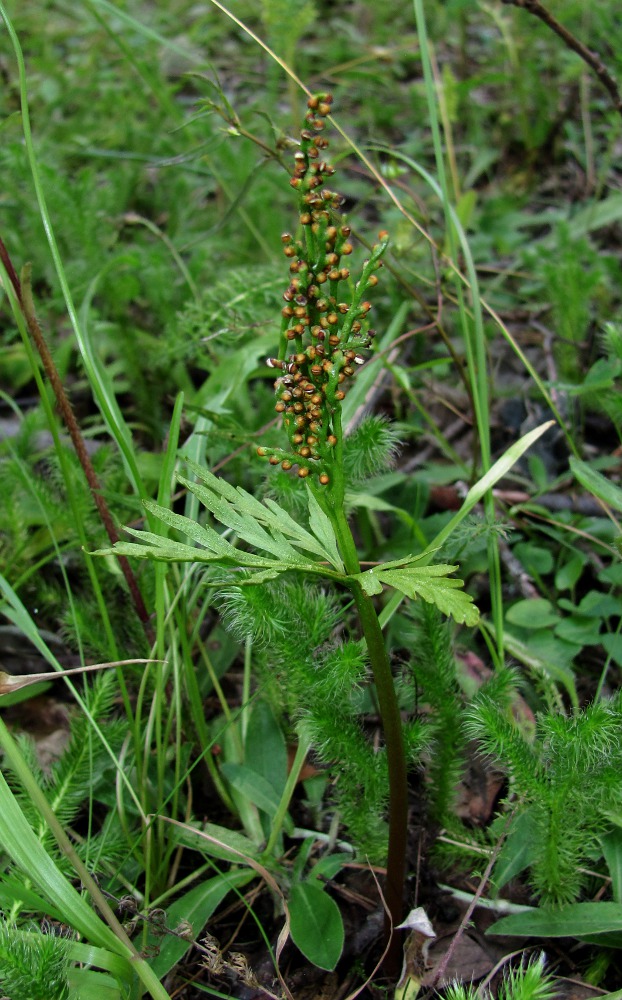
323 327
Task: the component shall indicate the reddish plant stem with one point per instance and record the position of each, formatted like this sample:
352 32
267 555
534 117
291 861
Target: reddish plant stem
391 724
398 785
592 59
24 297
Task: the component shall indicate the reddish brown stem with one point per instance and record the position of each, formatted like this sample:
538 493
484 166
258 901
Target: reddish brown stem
592 59
26 304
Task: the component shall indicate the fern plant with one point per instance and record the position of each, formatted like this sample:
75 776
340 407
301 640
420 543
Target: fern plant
567 782
323 332
324 336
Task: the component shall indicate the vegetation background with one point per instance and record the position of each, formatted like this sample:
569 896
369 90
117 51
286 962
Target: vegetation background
162 819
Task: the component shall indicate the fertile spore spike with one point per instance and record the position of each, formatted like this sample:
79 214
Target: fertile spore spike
321 334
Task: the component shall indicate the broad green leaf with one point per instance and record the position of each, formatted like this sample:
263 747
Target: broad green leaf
612 850
596 483
601 377
85 984
532 614
328 867
611 574
597 604
577 920
596 215
194 907
245 527
202 535
568 574
535 558
446 594
167 550
316 926
518 851
264 526
409 560
582 631
265 746
252 786
241 521
612 643
220 839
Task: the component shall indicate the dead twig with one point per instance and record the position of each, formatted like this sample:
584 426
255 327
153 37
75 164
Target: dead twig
592 59
440 971
23 294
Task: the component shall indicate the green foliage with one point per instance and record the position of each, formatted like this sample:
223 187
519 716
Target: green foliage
372 447
434 670
37 523
597 484
567 779
33 965
291 547
238 304
167 236
572 273
286 23
84 764
601 386
264 526
598 923
431 583
252 612
528 981
36 511
315 679
316 924
602 376
438 684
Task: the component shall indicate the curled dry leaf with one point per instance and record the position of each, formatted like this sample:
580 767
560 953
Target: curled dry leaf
13 682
